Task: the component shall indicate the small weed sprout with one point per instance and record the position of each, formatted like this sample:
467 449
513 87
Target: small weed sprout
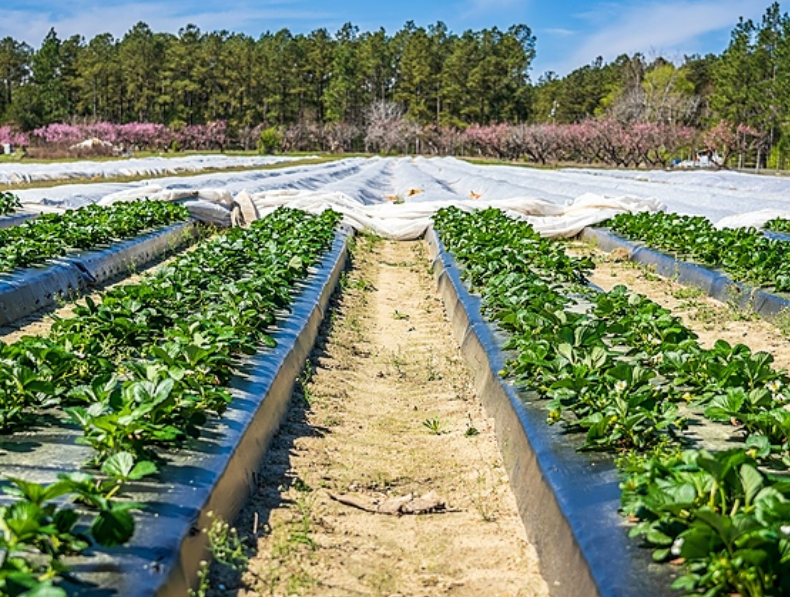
362 284
398 362
432 373
226 547
131 268
782 321
225 544
434 425
471 430
687 292
741 313
305 379
482 495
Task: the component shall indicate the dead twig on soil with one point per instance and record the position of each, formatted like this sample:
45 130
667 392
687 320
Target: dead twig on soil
430 503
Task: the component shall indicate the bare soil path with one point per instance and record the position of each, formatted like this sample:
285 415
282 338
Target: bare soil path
385 410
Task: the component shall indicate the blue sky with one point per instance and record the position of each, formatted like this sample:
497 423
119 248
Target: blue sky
570 33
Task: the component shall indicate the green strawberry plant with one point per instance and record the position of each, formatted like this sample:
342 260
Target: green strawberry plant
44 523
778 225
615 367
89 227
744 253
9 203
143 368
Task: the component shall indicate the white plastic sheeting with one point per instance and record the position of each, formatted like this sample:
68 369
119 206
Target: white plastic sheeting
290 177
753 219
396 196
15 173
399 221
409 220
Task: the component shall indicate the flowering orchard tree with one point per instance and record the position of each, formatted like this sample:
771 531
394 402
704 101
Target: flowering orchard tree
726 138
722 138
10 136
492 140
142 135
213 135
603 141
59 134
593 141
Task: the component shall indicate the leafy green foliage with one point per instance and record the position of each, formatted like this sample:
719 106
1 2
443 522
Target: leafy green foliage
140 369
146 366
278 77
744 253
729 521
9 203
614 366
38 528
778 225
54 235
269 141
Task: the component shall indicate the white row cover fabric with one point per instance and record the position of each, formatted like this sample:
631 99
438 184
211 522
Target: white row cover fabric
16 173
407 221
753 219
358 189
395 197
399 221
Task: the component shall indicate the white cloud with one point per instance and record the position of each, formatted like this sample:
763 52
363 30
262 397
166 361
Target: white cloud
559 32
662 27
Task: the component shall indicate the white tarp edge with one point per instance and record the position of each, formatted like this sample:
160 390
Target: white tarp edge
407 221
398 221
752 219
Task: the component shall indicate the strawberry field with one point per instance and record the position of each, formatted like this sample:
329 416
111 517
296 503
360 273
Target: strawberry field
128 408
137 372
628 378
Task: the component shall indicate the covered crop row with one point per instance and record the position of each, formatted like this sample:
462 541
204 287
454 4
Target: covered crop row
628 375
144 367
54 235
744 253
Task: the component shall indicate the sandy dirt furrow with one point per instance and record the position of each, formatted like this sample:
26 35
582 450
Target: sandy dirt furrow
385 410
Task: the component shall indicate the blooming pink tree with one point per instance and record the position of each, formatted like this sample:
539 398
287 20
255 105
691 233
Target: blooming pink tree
10 136
723 138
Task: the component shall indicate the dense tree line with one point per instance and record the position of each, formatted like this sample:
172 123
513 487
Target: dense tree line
421 88
278 79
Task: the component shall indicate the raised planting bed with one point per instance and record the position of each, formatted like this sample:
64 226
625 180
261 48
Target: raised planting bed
11 211
26 291
745 254
84 229
714 283
696 438
211 465
568 501
70 261
16 219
